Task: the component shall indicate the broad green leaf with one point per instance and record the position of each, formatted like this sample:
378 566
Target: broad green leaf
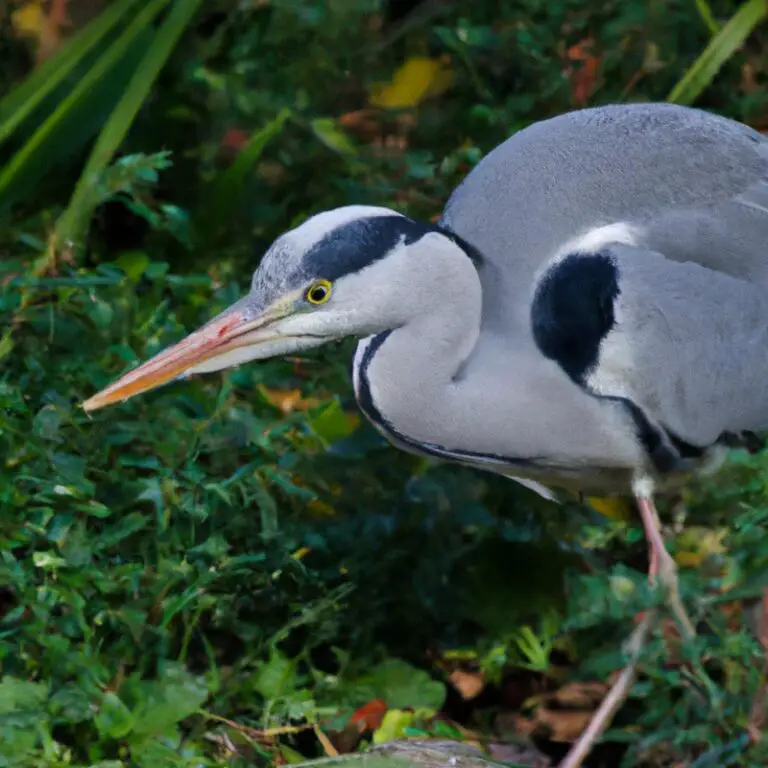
21 695
394 725
167 701
722 46
6 344
401 686
157 753
276 676
334 423
114 720
48 560
327 130
47 423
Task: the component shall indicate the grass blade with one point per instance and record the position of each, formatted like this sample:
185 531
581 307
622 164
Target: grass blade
722 46
705 11
223 193
73 221
111 56
17 105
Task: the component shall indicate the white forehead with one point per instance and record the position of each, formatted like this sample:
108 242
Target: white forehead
314 229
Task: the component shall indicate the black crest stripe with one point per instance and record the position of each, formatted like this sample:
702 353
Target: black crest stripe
357 244
360 243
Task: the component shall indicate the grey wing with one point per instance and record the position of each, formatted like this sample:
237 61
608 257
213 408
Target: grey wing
694 184
686 344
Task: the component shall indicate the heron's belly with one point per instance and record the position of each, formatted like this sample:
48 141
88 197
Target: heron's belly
576 478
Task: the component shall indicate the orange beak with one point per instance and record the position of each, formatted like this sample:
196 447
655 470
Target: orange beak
233 329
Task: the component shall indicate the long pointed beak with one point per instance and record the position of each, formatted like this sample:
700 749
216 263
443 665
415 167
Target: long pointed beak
233 329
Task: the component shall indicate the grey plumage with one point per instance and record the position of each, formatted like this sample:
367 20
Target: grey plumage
492 339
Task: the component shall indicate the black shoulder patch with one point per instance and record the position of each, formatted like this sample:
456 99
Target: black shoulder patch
360 243
573 311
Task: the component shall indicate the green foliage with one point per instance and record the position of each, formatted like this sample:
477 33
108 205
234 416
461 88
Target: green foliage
725 43
202 576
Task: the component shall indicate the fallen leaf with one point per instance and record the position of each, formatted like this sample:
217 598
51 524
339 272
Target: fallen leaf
417 79
578 695
559 715
362 123
233 140
369 716
288 400
583 78
561 725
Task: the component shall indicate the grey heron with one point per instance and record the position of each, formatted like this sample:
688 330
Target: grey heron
589 313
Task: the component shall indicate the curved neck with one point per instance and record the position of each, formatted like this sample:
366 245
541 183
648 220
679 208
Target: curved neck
405 378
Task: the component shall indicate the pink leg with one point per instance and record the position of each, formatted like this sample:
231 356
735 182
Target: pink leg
661 564
652 536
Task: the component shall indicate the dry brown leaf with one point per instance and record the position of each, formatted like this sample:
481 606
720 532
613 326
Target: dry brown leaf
561 725
288 400
469 684
579 695
584 77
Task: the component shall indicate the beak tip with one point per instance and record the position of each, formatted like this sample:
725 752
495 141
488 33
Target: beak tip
91 404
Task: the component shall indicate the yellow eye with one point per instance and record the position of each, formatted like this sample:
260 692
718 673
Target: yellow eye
319 292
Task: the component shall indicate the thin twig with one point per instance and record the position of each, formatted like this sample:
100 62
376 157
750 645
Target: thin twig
611 704
328 747
258 734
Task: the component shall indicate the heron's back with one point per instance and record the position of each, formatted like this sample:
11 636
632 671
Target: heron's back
673 171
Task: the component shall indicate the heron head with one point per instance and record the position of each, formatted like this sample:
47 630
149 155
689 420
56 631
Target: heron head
344 272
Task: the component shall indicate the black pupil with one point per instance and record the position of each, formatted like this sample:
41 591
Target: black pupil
319 292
